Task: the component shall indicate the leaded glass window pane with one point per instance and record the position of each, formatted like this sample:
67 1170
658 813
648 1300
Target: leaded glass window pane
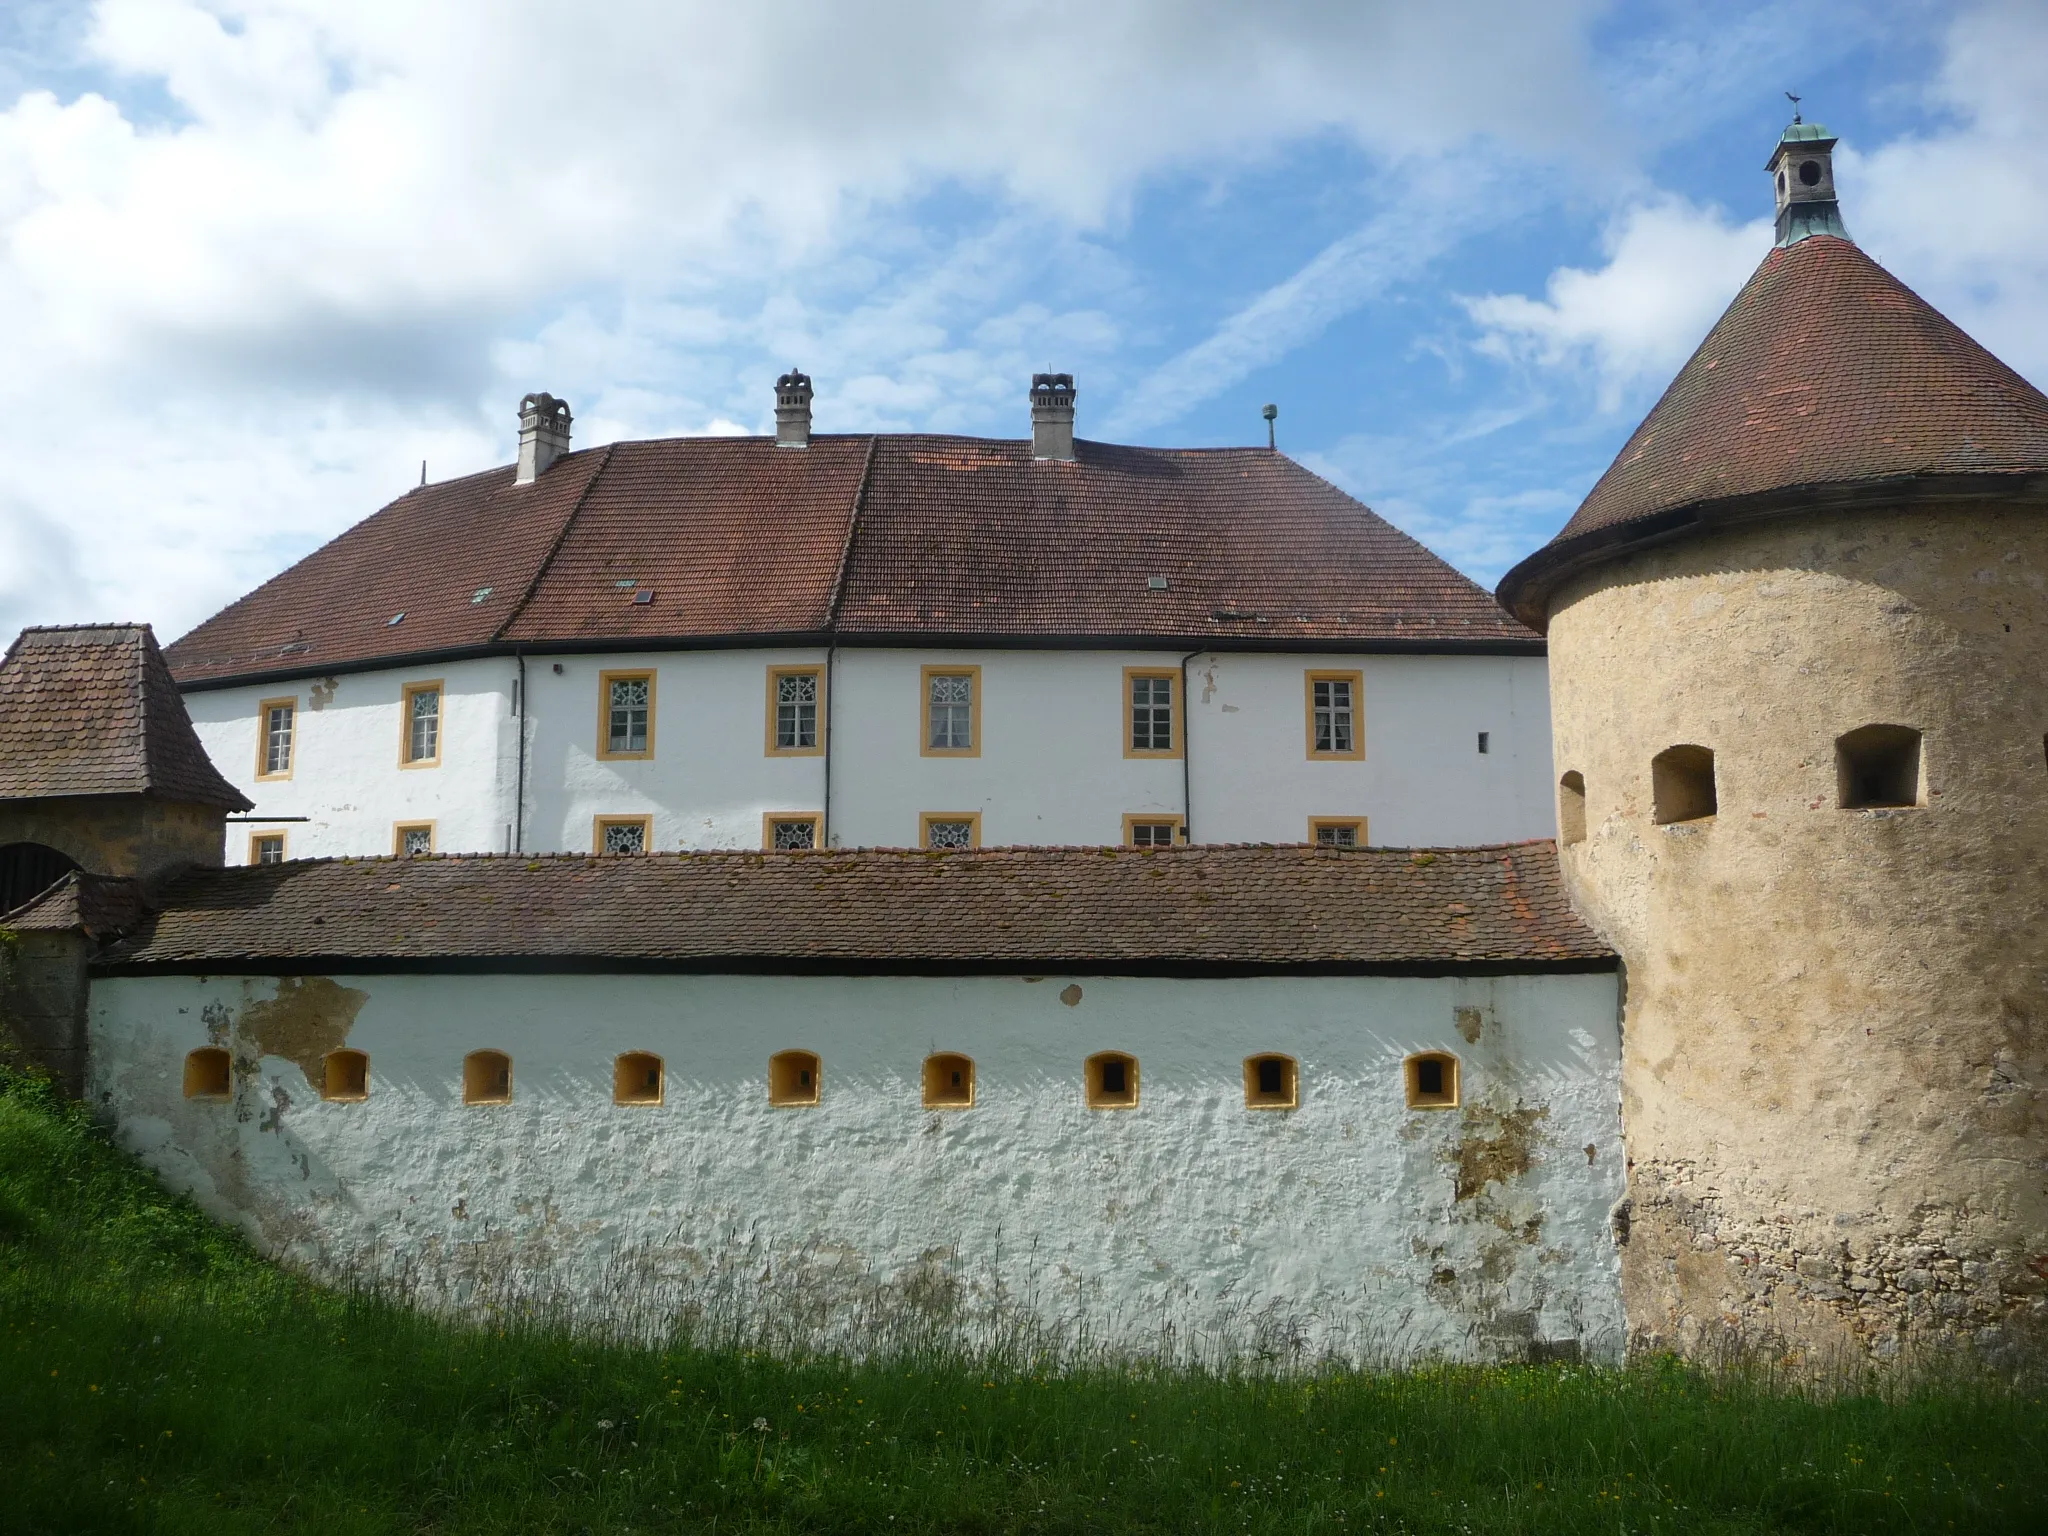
628 732
796 712
949 834
795 834
1337 837
1333 714
952 712
423 727
417 841
1151 714
625 837
277 738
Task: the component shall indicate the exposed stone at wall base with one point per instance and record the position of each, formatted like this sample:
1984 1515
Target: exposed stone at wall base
42 1005
1818 1287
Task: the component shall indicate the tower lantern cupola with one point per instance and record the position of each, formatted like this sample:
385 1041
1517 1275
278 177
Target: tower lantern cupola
1803 173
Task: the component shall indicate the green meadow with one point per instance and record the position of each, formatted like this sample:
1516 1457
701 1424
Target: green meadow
157 1375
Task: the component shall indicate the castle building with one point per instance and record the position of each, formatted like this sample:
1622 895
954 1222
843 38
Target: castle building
1799 682
902 640
1749 1054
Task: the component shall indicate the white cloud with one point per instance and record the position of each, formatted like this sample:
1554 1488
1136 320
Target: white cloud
1671 269
284 248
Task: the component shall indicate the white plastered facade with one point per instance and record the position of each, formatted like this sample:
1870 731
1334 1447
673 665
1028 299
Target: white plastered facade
1050 767
1190 1225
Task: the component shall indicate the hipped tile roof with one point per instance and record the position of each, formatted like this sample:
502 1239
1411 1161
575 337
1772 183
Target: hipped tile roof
92 710
101 907
1252 907
1826 371
863 538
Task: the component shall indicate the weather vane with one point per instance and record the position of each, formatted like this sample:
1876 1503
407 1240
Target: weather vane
1795 105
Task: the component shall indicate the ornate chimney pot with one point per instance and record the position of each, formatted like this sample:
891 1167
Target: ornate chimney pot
543 435
1052 416
793 410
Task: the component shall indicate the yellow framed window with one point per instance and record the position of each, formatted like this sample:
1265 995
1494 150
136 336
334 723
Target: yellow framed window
952 711
277 732
1337 831
1149 829
266 847
412 839
1430 1079
625 715
792 831
1271 1082
1334 700
622 834
796 711
949 829
419 744
1151 715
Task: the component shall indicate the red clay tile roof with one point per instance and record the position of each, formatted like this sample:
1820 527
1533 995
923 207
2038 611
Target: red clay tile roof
1825 371
99 906
92 710
1023 908
737 540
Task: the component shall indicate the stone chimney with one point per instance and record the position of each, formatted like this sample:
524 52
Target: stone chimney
1052 416
1802 171
543 436
793 410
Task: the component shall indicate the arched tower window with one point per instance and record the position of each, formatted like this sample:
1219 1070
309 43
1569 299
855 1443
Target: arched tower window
487 1078
793 1078
1571 808
1877 765
1112 1081
207 1074
1682 785
1271 1082
27 870
345 1076
636 1078
1432 1080
948 1081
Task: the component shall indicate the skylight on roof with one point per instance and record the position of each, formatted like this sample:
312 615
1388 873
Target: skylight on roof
481 594
627 583
394 618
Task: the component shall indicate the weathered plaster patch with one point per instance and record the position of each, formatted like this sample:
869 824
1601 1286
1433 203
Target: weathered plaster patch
309 1016
1496 1146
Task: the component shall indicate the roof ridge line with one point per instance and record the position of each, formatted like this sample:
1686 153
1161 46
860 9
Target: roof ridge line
555 546
860 496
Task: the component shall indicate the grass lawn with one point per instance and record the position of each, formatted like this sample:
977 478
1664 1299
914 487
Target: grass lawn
156 1376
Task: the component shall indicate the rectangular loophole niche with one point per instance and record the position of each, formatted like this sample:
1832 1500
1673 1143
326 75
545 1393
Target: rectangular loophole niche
1432 1080
948 1081
207 1073
1571 808
1271 1082
1682 785
1877 766
487 1078
345 1076
793 1079
636 1078
1112 1081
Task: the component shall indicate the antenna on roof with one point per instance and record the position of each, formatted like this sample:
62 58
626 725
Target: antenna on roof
1795 105
1270 412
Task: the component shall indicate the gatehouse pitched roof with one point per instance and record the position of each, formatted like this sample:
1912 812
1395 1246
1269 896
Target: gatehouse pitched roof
91 709
1825 373
864 539
1166 911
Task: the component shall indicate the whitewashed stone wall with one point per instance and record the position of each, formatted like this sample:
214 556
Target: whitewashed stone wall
1188 1226
1051 767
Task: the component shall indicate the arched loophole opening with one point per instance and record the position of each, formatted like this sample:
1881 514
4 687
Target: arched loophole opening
1877 766
1682 785
636 1078
1432 1080
793 1078
29 869
1112 1079
487 1078
1571 808
948 1081
207 1074
345 1075
1271 1082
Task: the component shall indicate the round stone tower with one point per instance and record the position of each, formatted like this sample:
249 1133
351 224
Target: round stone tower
1799 683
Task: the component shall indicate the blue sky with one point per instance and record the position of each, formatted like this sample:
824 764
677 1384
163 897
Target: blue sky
262 258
